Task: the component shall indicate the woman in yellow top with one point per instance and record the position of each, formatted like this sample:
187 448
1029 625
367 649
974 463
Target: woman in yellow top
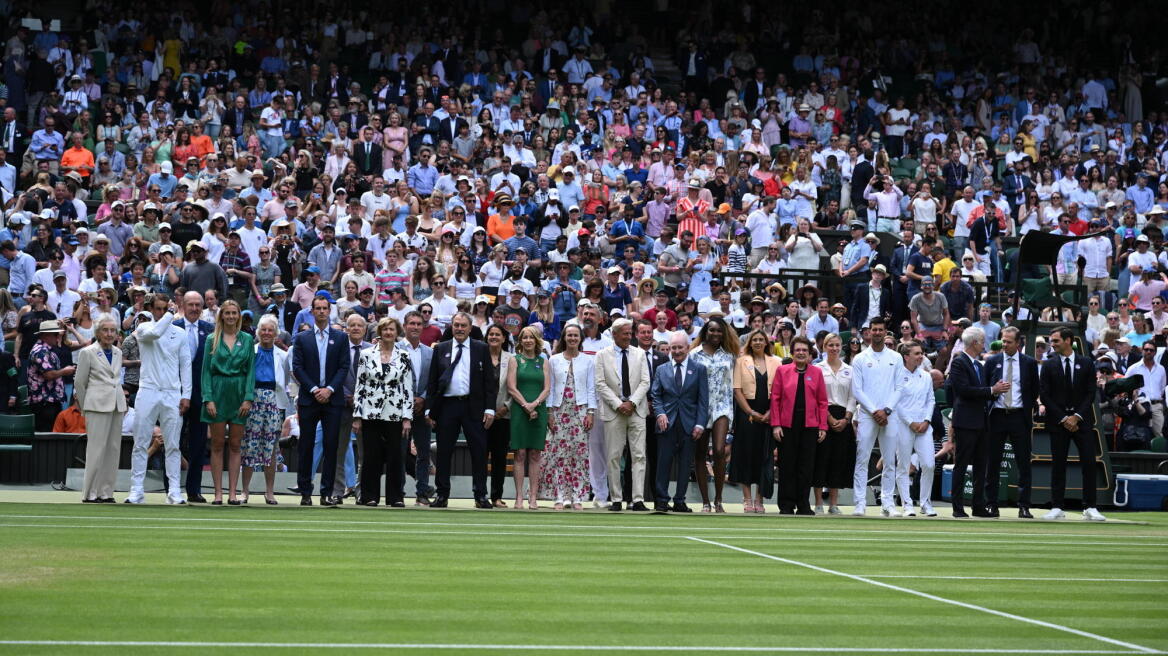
228 392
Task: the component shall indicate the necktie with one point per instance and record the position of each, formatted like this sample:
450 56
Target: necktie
193 339
353 364
677 376
368 153
448 376
977 370
626 392
1009 403
1067 370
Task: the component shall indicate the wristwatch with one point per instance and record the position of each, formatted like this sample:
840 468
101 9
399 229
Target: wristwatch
887 411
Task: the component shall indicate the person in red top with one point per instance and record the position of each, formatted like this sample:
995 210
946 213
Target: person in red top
501 225
431 333
799 418
691 210
662 299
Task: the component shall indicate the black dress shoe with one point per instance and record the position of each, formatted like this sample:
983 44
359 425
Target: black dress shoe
294 490
196 498
106 500
440 502
1024 513
422 500
660 507
397 504
217 503
91 501
328 501
993 511
639 506
271 502
306 500
615 507
483 503
786 511
681 507
235 502
959 513
982 512
338 501
805 511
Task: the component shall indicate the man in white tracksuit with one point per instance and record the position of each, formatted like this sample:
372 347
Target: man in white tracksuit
874 386
913 429
164 393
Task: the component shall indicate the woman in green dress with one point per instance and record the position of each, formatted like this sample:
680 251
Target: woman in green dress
530 378
228 391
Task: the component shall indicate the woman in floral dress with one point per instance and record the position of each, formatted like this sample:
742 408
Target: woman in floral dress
571 410
272 372
717 350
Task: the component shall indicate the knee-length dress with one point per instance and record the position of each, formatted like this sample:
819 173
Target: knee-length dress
720 369
528 433
750 453
565 471
228 378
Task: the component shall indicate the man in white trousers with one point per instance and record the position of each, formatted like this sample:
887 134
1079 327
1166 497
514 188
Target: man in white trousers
164 393
622 383
874 385
913 426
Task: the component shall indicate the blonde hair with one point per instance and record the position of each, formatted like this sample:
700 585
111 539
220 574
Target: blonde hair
536 334
217 336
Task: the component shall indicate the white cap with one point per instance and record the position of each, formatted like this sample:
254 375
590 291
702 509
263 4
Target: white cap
167 168
570 169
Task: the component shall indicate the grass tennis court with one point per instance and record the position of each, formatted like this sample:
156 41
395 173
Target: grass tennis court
156 579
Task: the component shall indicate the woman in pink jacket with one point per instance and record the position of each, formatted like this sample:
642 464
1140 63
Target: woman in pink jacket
799 418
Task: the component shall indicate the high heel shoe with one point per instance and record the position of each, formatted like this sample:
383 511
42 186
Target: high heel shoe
533 505
718 508
706 508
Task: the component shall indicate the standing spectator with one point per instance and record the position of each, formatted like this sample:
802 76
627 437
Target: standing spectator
382 413
229 361
528 383
622 387
100 397
46 384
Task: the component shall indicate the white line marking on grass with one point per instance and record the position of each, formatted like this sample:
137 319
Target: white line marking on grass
725 532
503 647
931 597
1009 578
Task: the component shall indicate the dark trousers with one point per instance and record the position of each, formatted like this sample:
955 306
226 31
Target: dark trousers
310 416
675 445
195 432
1060 444
971 450
420 433
796 462
650 457
457 414
1015 426
44 415
498 444
384 449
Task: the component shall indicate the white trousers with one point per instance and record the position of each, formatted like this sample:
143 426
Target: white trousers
598 462
913 448
869 434
618 432
154 407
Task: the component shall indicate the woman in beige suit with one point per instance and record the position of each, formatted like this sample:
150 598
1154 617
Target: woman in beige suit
99 393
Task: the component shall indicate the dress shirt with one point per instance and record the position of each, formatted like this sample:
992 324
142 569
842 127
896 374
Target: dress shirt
816 324
193 337
915 396
460 381
1015 372
874 379
1096 251
1155 379
839 386
853 253
673 369
322 339
874 293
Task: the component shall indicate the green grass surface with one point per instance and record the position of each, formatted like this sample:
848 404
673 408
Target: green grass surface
409 581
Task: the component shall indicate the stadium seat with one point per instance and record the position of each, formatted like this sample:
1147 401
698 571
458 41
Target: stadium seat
909 165
15 429
1160 444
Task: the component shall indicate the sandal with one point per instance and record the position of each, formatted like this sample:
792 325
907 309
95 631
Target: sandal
518 504
499 503
533 505
706 508
748 506
577 506
718 508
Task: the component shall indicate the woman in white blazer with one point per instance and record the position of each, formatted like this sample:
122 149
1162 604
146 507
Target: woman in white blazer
272 373
571 412
383 407
97 384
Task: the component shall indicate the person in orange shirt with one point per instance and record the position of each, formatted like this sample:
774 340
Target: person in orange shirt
78 158
70 420
501 225
202 143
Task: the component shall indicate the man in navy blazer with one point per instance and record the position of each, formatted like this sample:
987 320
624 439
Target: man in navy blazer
680 397
1011 417
971 393
862 303
322 398
193 428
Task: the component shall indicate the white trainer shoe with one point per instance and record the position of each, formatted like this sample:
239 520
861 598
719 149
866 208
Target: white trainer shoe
175 500
1056 513
927 511
1093 515
910 511
859 511
819 510
889 511
834 510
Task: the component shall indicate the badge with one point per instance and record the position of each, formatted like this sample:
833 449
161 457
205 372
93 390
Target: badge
869 365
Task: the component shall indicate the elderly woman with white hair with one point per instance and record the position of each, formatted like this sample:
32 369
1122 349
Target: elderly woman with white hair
267 412
100 396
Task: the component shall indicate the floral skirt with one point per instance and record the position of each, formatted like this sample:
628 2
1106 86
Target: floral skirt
565 455
263 430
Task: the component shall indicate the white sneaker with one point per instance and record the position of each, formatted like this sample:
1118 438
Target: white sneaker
927 511
600 504
135 500
1093 515
859 511
1057 513
819 510
175 500
889 511
910 511
834 510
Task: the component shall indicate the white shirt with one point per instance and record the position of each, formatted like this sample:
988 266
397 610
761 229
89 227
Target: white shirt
762 229
1096 251
1015 380
162 348
673 368
915 396
1155 379
444 310
874 379
62 304
372 202
460 381
961 210
251 239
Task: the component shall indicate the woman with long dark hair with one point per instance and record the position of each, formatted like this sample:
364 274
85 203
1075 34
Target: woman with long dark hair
717 349
499 434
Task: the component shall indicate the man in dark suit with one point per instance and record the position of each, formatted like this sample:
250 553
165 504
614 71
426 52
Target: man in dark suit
680 397
321 399
1014 185
355 328
11 138
1011 417
284 309
971 394
449 127
1068 392
366 154
461 395
644 336
355 117
193 429
862 303
237 114
420 357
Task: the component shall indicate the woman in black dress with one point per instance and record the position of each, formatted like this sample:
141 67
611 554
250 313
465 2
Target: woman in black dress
751 465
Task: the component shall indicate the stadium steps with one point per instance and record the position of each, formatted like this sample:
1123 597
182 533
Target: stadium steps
665 70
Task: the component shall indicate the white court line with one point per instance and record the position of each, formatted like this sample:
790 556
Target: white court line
931 597
1117 540
1009 578
291 527
587 648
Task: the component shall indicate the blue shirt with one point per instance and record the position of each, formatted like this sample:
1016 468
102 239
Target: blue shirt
1141 198
422 179
571 194
265 366
166 184
322 341
20 272
41 142
854 252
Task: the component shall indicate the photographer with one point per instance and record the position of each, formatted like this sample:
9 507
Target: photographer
887 196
